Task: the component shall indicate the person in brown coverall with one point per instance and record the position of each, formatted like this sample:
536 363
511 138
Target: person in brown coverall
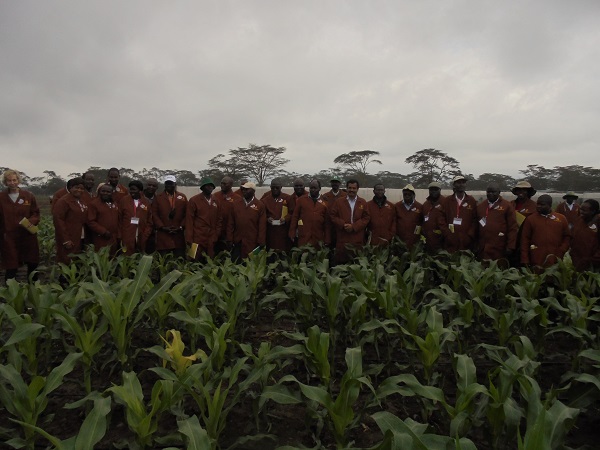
409 217
203 221
310 220
247 227
433 219
382 224
168 219
545 236
18 245
277 206
103 220
497 233
225 199
350 217
569 208
135 219
460 214
70 215
585 243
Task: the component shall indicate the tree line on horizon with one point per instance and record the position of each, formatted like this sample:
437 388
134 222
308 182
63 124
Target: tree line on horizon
262 163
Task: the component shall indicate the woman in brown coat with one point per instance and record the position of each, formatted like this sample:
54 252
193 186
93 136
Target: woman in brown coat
135 219
19 216
103 220
70 217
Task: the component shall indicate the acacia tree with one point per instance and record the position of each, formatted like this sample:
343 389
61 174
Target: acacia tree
354 164
259 162
432 165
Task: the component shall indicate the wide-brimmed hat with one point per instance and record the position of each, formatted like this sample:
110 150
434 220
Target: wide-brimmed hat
524 185
458 178
434 184
248 185
205 181
570 194
409 187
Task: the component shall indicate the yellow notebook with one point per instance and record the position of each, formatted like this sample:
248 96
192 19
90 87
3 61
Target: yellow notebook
193 250
25 223
284 211
520 218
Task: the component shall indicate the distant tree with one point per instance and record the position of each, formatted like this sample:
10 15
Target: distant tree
539 177
506 182
186 178
354 164
259 162
392 180
575 178
432 165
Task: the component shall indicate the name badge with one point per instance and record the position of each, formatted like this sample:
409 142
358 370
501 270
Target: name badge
135 220
457 221
482 221
418 229
426 218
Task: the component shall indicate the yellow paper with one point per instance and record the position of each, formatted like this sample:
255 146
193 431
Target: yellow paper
284 211
418 229
193 250
25 223
300 222
520 218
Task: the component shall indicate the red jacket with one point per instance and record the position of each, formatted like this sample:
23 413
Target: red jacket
544 239
497 229
382 223
408 222
248 225
311 221
461 223
161 207
134 235
103 217
17 245
70 217
277 235
203 224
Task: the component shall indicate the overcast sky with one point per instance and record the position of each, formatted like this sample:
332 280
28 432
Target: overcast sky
496 84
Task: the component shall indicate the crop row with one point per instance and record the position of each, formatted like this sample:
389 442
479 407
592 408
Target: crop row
429 352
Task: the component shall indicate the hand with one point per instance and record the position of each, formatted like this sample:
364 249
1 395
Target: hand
270 220
68 245
348 227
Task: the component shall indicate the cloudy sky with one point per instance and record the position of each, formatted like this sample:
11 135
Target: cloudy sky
497 85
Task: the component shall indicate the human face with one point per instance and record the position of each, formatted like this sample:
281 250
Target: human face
314 189
298 188
585 211
226 185
492 194
379 191
408 196
570 199
151 187
335 186
207 189
248 193
105 194
77 190
434 193
12 182
134 191
543 207
521 194
170 187
113 178
459 186
88 181
275 190
352 190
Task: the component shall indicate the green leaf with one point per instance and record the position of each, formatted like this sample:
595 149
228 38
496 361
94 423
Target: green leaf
94 426
22 332
55 377
197 438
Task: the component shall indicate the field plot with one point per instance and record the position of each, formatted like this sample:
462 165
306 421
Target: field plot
400 351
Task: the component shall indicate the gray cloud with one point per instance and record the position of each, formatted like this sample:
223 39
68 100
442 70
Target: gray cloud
498 85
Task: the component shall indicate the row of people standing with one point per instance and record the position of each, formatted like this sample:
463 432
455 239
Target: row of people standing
138 219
